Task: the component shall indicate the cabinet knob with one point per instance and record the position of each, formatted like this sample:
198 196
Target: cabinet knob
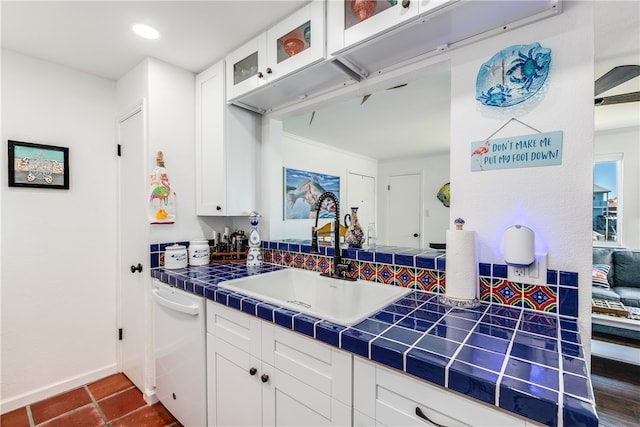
260 75
269 71
415 234
218 208
264 378
137 268
252 371
406 3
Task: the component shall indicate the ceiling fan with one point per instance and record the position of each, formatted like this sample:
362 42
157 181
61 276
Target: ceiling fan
615 77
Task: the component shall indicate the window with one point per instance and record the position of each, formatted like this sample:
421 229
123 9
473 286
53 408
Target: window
607 200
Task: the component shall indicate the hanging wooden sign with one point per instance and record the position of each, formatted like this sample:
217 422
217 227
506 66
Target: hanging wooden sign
523 151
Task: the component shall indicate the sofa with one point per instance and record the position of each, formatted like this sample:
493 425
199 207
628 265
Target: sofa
622 276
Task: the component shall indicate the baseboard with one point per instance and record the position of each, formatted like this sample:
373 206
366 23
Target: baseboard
7 405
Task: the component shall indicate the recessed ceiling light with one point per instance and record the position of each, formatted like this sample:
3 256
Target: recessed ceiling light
146 31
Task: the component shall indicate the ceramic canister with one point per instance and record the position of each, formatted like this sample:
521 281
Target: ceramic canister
175 256
198 252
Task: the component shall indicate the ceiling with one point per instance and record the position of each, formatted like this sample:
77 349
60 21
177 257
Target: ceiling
96 37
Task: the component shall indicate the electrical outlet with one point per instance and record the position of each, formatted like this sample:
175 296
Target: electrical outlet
519 271
533 274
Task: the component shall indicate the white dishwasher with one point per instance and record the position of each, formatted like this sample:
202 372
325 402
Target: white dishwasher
179 350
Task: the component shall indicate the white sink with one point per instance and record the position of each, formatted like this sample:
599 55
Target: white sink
338 301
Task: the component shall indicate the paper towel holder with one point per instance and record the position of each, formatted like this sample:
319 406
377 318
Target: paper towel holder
519 245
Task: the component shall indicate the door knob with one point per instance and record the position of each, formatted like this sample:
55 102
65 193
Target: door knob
137 268
264 378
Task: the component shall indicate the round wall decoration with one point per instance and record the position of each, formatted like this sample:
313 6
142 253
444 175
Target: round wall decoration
513 75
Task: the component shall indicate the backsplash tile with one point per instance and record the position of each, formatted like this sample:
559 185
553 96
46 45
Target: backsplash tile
425 270
420 269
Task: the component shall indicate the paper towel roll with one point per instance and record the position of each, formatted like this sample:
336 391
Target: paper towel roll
462 265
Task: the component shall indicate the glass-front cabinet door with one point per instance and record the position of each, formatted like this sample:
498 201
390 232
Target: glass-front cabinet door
297 41
246 67
353 21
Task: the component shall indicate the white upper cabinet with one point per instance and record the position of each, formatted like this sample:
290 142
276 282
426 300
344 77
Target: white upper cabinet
227 149
291 45
350 22
247 67
298 41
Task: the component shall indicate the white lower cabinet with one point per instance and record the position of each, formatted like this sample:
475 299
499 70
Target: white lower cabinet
261 374
390 398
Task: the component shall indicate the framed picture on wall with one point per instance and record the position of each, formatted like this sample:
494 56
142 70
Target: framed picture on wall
38 165
302 190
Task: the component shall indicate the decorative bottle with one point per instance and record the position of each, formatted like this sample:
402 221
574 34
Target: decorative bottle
254 256
354 236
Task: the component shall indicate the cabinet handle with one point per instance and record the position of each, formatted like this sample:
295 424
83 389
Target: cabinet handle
269 71
264 378
424 417
253 371
406 3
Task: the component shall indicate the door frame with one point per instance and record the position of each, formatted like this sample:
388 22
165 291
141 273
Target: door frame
149 374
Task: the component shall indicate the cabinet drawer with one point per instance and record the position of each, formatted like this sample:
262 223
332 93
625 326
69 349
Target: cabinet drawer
234 327
323 367
398 397
288 401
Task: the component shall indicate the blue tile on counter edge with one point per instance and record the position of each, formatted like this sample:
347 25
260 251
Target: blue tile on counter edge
249 306
383 257
428 263
426 365
265 311
329 333
284 317
576 412
304 324
356 341
405 260
540 405
388 352
441 263
473 381
234 300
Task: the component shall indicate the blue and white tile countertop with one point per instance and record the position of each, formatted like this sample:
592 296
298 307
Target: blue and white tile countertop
527 362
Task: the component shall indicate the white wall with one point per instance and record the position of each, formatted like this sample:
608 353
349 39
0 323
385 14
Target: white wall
169 93
435 173
625 141
58 246
281 150
555 201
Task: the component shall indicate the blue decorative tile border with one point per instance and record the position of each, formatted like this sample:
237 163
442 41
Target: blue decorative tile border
527 362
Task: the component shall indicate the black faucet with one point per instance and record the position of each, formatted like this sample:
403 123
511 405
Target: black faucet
339 268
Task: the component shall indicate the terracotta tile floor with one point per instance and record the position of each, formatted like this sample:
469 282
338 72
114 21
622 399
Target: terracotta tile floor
112 401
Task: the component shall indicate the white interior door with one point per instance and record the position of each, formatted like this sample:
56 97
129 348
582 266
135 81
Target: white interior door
405 206
361 193
132 237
